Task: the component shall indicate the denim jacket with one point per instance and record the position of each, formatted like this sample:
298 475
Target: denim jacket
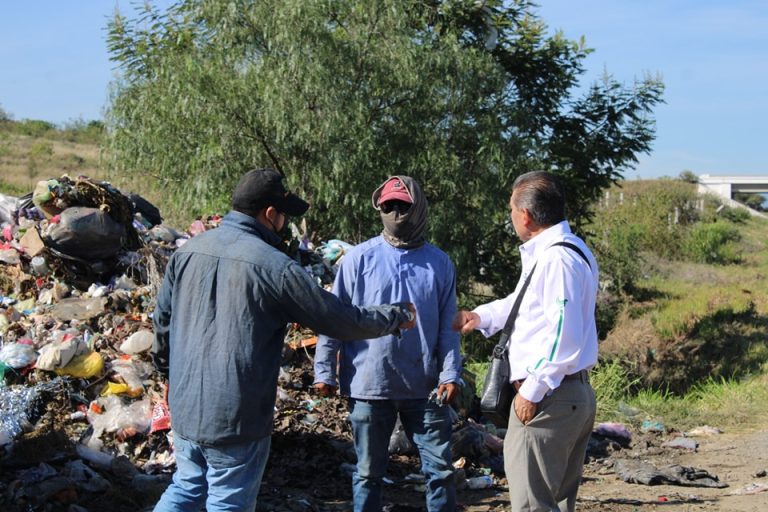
226 300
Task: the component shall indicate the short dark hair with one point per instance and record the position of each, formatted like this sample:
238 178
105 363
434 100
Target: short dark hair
542 194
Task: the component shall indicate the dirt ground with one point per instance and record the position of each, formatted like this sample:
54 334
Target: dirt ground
312 458
738 459
735 458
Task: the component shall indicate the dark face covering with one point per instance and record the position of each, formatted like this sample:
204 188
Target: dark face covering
404 228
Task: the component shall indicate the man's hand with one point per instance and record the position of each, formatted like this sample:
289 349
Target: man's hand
524 409
324 389
408 324
449 390
465 321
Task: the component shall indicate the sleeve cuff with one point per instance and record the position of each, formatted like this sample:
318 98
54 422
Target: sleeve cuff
450 378
533 390
483 327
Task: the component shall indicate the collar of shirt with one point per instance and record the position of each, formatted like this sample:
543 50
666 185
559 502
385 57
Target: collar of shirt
531 249
247 223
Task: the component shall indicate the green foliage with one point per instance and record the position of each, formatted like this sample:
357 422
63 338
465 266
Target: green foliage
735 215
688 177
612 384
687 304
83 132
340 94
12 190
79 131
712 243
635 219
720 402
34 127
754 201
479 369
41 150
616 248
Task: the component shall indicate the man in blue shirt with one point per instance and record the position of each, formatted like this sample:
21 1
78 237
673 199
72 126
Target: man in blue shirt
392 374
221 316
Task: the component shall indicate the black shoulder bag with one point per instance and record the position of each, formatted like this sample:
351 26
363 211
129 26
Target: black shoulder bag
496 399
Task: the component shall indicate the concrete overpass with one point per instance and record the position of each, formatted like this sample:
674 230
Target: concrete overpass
725 186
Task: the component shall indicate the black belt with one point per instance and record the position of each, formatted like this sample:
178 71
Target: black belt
582 375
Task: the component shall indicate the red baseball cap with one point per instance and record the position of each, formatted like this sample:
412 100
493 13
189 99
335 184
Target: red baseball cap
395 190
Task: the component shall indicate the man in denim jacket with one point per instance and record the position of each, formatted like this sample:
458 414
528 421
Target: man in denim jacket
221 316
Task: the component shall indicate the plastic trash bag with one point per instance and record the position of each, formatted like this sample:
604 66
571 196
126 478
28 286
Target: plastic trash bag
138 342
17 404
77 308
61 350
18 355
399 443
87 233
147 210
111 414
84 366
332 250
8 206
131 374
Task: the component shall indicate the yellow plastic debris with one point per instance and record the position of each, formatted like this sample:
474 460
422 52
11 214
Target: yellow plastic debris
84 366
118 388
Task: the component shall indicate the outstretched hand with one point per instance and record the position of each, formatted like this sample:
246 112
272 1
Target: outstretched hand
465 321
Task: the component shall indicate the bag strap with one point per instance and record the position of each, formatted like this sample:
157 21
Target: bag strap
574 248
501 346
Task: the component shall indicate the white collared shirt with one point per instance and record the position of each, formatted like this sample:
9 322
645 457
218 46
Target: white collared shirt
555 332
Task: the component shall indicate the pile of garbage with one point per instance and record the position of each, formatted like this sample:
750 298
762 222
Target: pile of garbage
85 424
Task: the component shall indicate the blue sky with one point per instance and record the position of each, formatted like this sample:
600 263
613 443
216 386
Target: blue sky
711 55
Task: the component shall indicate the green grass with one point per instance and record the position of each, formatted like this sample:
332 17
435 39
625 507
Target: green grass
479 370
721 403
685 303
11 189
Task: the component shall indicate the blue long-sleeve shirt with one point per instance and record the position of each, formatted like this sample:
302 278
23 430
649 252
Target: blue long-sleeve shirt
392 367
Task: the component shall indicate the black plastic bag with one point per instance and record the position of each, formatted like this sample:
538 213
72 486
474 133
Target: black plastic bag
87 233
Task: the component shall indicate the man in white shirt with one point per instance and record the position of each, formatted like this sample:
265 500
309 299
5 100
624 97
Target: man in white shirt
552 346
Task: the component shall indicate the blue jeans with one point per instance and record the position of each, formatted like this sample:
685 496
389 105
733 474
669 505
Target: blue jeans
427 425
222 478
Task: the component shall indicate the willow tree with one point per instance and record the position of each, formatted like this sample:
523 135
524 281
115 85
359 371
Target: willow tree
340 94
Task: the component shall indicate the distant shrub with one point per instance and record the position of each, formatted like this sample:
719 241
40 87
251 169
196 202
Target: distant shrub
637 219
83 132
34 127
712 243
688 177
617 247
41 150
735 215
